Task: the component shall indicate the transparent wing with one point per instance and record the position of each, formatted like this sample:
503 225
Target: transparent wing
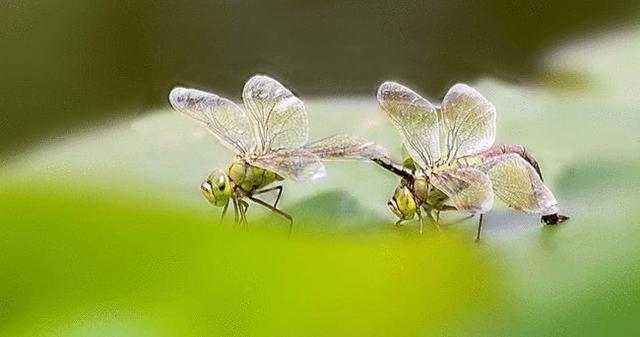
468 188
280 119
294 164
518 184
415 118
346 147
468 123
222 117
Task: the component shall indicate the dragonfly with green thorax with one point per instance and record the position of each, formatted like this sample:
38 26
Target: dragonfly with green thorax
269 137
453 163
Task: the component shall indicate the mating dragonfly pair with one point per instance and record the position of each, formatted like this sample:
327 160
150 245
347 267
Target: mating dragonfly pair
452 165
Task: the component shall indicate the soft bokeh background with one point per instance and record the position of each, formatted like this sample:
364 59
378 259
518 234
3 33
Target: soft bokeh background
103 231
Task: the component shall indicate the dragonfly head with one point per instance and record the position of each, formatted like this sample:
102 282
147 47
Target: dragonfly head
403 204
217 188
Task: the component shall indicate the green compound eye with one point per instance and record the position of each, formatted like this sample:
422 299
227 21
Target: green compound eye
222 182
206 187
207 191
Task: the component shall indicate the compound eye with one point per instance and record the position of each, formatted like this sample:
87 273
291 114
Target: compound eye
206 186
221 183
391 204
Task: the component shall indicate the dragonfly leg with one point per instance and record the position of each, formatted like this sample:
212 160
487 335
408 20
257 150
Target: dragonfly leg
447 208
235 210
431 218
283 214
244 206
399 222
279 188
479 228
224 212
420 220
461 220
437 222
438 210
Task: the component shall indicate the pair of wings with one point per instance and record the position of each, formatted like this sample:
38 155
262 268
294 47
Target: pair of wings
507 176
270 132
464 125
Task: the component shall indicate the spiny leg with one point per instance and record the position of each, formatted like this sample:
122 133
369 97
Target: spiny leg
279 188
224 212
287 216
479 227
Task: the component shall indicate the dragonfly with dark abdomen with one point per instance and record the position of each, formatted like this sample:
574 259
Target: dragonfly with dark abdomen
454 164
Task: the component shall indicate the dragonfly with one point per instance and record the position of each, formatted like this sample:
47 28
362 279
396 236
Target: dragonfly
453 163
269 138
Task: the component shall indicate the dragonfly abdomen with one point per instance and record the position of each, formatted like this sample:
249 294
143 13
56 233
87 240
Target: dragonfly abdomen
393 167
520 150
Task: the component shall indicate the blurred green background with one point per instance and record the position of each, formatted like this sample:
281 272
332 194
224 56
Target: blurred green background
103 231
70 63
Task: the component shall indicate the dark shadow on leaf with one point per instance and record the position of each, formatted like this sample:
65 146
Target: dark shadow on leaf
334 211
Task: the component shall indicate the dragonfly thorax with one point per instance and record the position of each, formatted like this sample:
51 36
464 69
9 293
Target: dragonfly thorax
248 177
421 188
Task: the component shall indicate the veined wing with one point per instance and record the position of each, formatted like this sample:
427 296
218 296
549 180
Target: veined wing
415 118
295 164
222 117
468 188
280 119
346 147
518 184
468 123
